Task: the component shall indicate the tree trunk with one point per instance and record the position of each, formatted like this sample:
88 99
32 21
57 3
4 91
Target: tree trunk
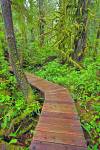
62 24
14 56
97 44
80 40
41 21
61 31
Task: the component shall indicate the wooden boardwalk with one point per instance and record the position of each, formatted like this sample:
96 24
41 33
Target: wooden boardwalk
59 126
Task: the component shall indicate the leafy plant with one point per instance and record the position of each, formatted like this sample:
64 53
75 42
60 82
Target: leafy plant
14 111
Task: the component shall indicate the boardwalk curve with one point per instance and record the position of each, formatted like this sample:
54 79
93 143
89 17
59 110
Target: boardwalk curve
59 126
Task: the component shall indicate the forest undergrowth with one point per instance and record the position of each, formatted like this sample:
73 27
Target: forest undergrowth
18 118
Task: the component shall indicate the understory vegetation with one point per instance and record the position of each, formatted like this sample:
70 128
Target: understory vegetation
59 41
16 116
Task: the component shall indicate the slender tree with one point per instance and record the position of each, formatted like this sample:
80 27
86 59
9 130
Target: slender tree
80 39
97 44
14 55
41 21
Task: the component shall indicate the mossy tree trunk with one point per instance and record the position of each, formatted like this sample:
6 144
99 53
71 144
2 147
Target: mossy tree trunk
97 43
61 31
41 22
80 40
62 25
14 55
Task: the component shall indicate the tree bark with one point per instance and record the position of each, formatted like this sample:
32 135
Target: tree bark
41 21
80 40
97 44
61 31
14 56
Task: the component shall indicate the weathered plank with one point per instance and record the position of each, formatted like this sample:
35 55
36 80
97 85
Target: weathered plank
37 145
59 128
63 121
44 85
59 96
60 115
70 139
56 107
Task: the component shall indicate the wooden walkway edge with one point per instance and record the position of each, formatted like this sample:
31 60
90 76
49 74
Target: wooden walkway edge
59 126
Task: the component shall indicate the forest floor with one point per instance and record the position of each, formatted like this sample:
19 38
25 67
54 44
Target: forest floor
83 85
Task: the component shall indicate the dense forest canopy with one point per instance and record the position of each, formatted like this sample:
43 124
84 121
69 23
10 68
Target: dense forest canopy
58 40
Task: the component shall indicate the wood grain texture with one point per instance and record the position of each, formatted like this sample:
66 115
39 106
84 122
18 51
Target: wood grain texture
70 139
60 115
63 121
37 145
56 107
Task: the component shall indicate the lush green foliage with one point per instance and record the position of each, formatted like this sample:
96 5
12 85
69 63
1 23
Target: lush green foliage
13 108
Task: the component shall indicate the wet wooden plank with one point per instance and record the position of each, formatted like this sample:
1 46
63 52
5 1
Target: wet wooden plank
44 86
61 97
70 139
58 100
60 115
56 107
37 145
59 128
63 121
62 89
32 78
